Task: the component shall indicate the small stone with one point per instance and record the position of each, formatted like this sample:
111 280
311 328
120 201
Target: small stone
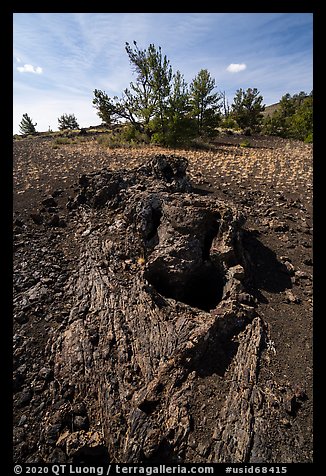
23 420
57 456
302 275
202 448
236 272
81 422
308 262
285 422
25 397
18 222
56 221
291 298
57 192
37 292
21 318
248 299
49 202
45 374
289 268
37 218
290 404
279 226
193 444
216 434
53 433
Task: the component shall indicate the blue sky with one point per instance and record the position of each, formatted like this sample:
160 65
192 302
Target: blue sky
60 58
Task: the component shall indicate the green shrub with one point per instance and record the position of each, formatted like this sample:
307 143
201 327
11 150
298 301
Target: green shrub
309 138
245 143
229 123
62 140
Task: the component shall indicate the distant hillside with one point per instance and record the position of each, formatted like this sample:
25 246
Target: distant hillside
269 110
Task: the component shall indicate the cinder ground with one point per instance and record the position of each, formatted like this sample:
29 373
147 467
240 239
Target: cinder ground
270 181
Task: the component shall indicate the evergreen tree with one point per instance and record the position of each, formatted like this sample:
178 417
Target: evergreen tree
149 95
67 121
106 108
301 126
204 103
145 102
247 109
293 117
26 125
159 104
180 124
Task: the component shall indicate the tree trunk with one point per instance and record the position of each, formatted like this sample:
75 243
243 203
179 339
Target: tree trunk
158 314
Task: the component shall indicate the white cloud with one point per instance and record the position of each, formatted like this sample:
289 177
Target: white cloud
18 59
236 67
29 68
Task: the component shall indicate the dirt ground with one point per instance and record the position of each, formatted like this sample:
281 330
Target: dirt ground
271 182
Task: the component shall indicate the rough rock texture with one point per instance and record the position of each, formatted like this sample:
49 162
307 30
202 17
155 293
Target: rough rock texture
155 306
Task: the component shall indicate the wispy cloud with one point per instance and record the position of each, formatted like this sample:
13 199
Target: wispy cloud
236 67
29 68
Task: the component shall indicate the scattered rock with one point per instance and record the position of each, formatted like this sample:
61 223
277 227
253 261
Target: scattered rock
57 456
50 202
308 261
302 275
57 193
279 226
52 433
21 317
289 268
37 218
80 422
57 221
23 420
18 222
25 397
291 298
37 292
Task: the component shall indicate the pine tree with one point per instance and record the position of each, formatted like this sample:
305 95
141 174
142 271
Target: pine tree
26 125
106 108
293 118
205 105
180 124
67 121
247 109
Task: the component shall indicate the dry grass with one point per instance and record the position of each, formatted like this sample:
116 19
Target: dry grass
286 167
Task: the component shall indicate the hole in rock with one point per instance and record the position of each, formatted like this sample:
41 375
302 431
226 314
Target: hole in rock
211 233
202 289
205 287
148 407
168 173
154 224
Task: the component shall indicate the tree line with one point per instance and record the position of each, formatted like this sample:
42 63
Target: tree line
66 121
161 107
293 118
